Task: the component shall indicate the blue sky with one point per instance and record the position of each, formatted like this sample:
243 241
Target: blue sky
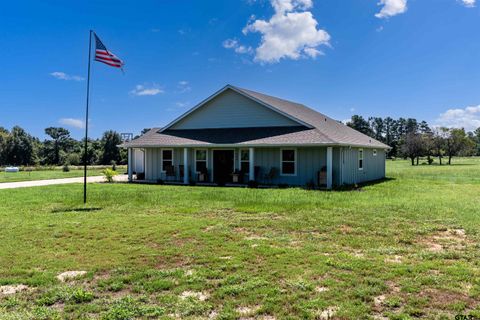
399 58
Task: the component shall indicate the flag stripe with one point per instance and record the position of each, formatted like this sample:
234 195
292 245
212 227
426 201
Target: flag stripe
117 65
103 55
108 60
112 58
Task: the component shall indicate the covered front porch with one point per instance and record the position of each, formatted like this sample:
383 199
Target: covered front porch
236 166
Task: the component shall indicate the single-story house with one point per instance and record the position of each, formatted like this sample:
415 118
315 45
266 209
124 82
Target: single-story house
236 136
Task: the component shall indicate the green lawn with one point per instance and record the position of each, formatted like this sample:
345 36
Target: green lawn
56 173
408 247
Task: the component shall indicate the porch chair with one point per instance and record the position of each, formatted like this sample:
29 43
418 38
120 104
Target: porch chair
170 173
202 175
270 175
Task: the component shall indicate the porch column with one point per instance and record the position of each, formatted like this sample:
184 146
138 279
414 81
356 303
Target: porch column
130 164
329 167
251 164
186 171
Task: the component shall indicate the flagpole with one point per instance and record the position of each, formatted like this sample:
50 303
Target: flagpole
85 155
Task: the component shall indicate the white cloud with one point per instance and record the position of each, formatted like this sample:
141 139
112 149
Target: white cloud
237 47
230 43
290 33
181 104
63 76
71 122
142 90
313 53
469 3
183 86
468 118
391 8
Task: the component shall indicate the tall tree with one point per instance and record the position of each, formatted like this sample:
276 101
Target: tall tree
20 147
412 146
61 141
439 143
411 126
377 126
360 124
455 142
476 138
110 141
3 145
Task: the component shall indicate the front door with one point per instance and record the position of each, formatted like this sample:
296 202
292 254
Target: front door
222 166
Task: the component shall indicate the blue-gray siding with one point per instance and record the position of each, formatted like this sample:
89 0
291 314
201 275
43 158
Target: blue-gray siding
310 161
232 110
373 166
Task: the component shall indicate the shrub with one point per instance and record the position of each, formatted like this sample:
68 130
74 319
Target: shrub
80 296
66 168
109 174
124 309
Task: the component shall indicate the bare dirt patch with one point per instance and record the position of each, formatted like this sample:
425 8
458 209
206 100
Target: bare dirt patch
328 313
358 254
202 296
346 229
12 289
438 299
247 310
208 229
394 259
321 289
449 239
70 275
378 301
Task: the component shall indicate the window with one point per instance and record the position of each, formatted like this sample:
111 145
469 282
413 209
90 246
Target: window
360 159
374 152
201 161
167 159
245 161
288 162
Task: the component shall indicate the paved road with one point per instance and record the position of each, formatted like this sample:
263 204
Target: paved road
38 183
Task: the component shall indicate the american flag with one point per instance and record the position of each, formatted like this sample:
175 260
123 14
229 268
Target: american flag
105 56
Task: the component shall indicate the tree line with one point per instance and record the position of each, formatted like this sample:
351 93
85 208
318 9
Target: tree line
19 148
409 138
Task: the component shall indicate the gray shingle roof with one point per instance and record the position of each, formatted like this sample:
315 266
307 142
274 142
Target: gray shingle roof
324 130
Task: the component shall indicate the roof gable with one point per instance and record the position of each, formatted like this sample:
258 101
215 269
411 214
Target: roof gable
307 127
231 108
